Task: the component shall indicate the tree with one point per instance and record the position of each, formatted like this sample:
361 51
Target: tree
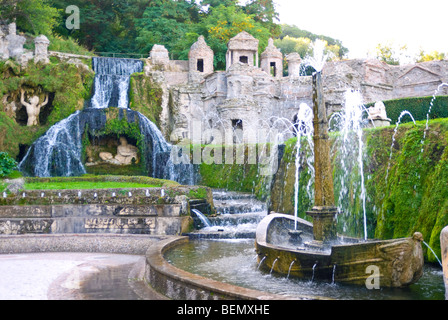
33 16
293 31
393 54
222 24
166 22
105 25
433 55
263 11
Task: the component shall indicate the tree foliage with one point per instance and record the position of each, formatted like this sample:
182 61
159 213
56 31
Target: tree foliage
7 164
33 16
293 32
134 26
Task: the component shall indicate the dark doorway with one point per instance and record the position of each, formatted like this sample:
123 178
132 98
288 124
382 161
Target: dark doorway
200 65
244 59
273 69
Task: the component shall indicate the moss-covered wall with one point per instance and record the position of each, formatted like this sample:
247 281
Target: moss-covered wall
67 85
145 97
406 188
245 177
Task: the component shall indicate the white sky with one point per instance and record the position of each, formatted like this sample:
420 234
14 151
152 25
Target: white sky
362 25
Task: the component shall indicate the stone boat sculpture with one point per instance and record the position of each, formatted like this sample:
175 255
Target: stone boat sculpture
293 246
396 263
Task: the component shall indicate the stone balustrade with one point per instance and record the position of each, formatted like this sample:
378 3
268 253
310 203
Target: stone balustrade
155 211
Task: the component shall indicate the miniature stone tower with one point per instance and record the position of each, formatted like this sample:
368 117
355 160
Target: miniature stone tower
200 59
294 62
272 60
242 48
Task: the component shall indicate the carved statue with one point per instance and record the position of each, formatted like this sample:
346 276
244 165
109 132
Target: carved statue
33 107
126 152
378 111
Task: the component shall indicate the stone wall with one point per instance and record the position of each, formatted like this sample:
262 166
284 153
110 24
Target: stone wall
213 100
155 211
248 93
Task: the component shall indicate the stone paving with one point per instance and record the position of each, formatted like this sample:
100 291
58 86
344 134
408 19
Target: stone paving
73 276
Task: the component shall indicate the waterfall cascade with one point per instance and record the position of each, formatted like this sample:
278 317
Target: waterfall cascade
59 151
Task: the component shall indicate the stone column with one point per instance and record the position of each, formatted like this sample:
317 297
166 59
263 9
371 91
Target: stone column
444 249
294 62
4 52
41 49
15 42
324 210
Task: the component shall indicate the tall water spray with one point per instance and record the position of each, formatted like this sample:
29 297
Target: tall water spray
350 124
303 127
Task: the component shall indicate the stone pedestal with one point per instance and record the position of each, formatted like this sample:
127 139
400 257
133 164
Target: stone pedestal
159 55
294 62
4 52
15 42
324 223
444 249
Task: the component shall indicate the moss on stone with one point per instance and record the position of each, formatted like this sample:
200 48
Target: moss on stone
67 85
407 189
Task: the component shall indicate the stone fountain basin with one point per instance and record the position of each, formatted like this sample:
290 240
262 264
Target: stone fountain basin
391 263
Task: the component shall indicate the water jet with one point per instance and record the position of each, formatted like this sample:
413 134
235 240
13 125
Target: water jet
321 243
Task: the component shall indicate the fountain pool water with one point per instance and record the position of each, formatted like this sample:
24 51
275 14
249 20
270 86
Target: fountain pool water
229 261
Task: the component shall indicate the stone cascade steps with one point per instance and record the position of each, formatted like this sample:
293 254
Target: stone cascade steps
236 203
238 216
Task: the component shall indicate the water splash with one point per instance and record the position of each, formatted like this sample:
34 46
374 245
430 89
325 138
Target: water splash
433 253
202 217
302 127
58 152
262 260
431 104
290 267
332 276
314 269
317 61
404 113
273 264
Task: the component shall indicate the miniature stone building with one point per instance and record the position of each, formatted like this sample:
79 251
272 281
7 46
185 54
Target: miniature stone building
242 48
245 97
200 59
272 60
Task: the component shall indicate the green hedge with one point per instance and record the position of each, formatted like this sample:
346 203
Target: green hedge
418 107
